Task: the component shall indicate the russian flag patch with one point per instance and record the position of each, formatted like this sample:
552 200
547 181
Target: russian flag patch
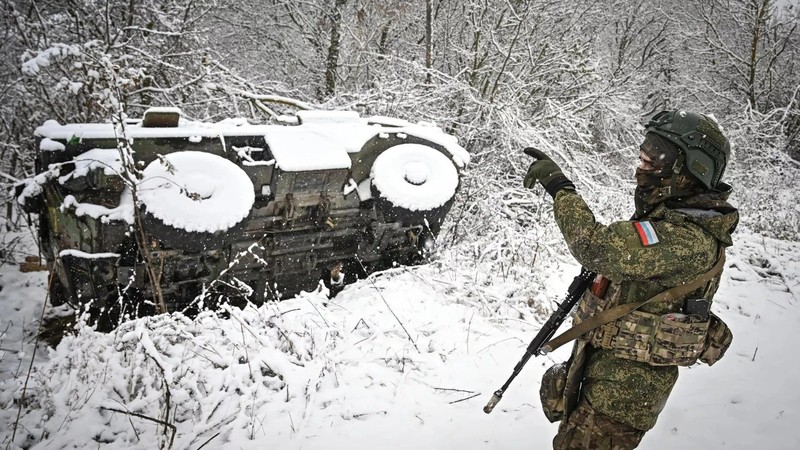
647 233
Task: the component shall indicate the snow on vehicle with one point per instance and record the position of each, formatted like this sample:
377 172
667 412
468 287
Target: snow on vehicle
249 212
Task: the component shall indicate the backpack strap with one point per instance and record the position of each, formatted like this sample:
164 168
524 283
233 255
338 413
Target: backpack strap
610 315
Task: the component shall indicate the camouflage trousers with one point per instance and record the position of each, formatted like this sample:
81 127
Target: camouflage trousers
587 429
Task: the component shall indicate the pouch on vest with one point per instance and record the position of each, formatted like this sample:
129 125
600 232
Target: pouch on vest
718 341
678 341
672 339
551 391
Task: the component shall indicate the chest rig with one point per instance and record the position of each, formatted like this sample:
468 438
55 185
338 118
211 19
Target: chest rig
673 338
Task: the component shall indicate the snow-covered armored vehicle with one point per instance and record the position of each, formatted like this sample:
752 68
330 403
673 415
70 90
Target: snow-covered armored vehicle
248 212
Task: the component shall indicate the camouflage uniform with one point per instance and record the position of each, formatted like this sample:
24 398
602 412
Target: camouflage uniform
619 399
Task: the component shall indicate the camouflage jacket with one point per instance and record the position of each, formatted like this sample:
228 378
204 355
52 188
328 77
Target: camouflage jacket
683 243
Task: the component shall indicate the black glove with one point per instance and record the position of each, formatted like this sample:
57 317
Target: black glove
546 172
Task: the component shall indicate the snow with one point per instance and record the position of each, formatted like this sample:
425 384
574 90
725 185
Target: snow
415 177
296 149
404 359
246 156
350 187
70 86
49 145
328 117
322 137
459 154
389 121
107 159
364 189
163 110
302 375
33 185
196 191
34 63
80 254
124 211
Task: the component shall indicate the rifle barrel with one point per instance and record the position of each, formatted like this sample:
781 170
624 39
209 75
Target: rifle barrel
576 289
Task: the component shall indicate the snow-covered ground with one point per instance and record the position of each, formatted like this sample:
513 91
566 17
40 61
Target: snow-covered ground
404 360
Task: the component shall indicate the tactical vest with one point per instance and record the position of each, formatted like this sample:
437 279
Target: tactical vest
670 339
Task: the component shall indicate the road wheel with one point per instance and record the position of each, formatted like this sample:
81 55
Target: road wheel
414 184
195 201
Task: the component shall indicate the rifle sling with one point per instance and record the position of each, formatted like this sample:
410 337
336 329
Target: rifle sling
610 315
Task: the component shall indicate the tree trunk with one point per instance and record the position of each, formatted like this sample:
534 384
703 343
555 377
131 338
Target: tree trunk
428 39
753 62
333 49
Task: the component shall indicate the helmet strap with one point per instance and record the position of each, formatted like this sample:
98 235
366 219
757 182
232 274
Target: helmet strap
676 169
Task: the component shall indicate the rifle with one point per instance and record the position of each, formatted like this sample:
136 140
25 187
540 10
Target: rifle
538 345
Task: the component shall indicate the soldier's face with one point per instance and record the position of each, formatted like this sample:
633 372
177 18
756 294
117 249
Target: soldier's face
645 163
649 160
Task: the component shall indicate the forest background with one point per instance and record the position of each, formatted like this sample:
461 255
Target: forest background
576 78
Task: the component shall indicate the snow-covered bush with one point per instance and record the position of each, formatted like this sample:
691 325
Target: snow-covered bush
765 178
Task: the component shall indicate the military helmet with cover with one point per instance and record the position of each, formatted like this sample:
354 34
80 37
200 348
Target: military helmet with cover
705 148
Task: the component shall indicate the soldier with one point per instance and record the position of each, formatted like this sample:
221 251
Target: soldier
620 374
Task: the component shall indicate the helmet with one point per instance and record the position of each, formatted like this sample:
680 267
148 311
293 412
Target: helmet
705 148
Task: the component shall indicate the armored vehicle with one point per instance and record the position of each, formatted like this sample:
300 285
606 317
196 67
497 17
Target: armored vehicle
194 213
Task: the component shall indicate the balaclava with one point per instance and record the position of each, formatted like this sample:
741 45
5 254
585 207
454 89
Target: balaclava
663 182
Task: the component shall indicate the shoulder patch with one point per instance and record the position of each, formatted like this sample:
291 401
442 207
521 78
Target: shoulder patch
647 233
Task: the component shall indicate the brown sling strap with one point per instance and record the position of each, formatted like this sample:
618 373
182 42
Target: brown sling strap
610 315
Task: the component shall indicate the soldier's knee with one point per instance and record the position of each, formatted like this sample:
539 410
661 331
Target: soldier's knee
587 429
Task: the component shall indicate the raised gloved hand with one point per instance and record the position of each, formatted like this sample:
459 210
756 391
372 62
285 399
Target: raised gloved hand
546 172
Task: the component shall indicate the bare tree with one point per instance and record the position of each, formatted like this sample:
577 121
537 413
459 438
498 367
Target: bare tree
428 38
747 42
332 59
